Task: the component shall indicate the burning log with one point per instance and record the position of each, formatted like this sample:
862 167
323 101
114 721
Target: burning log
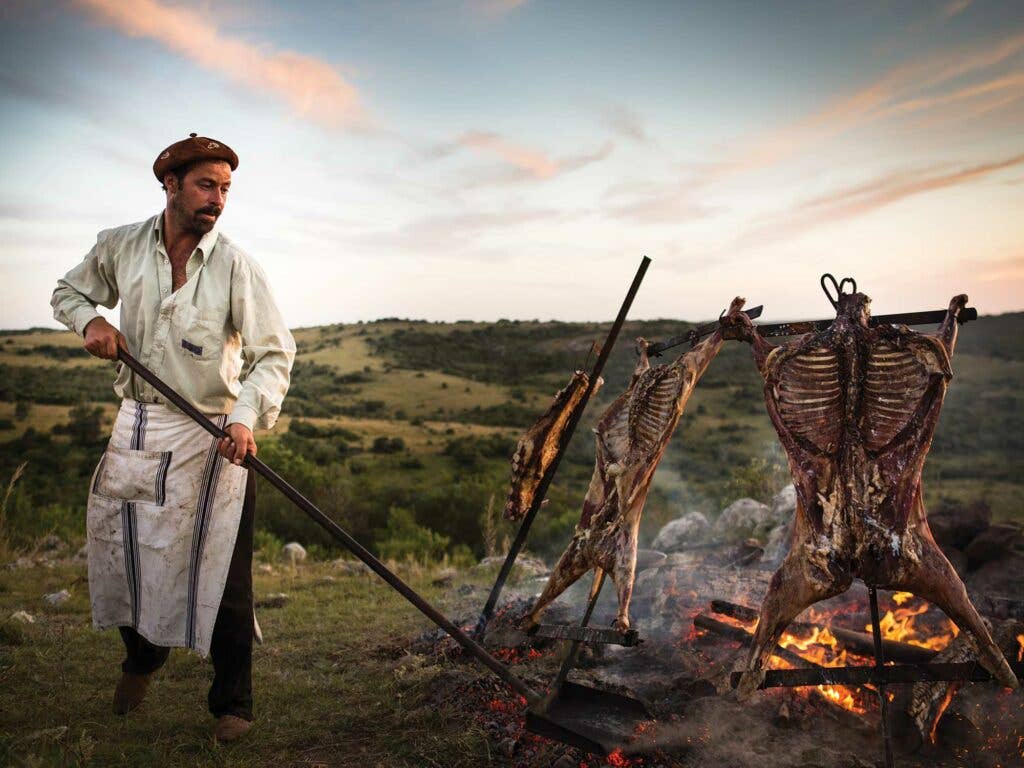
738 633
859 643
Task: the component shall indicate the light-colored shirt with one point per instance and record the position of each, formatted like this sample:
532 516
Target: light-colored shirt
219 340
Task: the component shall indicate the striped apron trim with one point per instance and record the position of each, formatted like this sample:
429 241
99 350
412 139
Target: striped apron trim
207 492
128 521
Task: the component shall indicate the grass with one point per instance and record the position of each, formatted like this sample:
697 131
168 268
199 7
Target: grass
324 692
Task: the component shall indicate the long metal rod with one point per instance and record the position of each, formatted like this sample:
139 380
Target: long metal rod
883 699
574 648
471 647
697 333
930 317
542 488
900 674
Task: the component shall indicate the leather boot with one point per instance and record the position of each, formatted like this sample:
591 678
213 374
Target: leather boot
130 691
230 728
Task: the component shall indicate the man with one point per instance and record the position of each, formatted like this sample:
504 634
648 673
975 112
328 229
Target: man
170 523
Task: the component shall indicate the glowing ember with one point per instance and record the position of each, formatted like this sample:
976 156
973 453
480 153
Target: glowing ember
619 760
1020 651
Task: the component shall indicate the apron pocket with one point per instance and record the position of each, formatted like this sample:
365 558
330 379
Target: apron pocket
127 475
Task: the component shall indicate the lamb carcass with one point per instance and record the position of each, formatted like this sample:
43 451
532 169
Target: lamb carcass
855 408
631 437
538 446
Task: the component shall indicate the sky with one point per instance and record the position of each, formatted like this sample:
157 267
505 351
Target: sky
486 159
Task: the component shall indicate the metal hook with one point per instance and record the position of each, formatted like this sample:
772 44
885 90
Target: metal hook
849 280
828 277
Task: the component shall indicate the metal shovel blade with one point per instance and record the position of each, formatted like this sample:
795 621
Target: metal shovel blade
593 720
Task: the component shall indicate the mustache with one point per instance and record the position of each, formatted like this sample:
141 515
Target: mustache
211 211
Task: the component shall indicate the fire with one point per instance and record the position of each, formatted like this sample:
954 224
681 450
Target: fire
950 693
1020 652
901 625
619 760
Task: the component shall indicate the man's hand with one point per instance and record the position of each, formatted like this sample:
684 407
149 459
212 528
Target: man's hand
102 339
238 443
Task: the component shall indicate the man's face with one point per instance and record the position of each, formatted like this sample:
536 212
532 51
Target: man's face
198 199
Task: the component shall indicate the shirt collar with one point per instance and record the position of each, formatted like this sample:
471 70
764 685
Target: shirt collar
206 243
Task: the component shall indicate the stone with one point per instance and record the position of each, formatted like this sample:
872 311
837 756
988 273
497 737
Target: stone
993 543
265 568
955 525
350 567
273 600
648 558
783 506
293 552
526 566
676 534
777 545
23 617
51 543
444 577
742 519
57 598
83 553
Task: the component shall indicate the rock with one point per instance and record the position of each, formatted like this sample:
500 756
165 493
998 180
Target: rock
23 617
777 545
955 525
273 600
648 558
51 543
526 566
676 534
994 542
350 567
323 581
293 552
783 506
83 553
444 577
265 568
998 577
57 598
742 519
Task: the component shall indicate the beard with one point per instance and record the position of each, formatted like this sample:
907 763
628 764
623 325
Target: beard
192 221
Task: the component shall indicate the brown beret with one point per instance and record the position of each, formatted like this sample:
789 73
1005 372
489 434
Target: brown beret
191 149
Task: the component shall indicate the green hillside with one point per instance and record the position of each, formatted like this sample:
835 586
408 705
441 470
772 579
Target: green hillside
401 430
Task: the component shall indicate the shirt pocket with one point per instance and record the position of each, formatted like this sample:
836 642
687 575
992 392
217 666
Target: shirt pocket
201 336
124 474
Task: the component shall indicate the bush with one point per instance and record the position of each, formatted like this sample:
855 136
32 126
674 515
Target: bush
405 540
384 444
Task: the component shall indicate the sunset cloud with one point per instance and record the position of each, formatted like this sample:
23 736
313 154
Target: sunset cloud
862 199
518 162
313 88
906 89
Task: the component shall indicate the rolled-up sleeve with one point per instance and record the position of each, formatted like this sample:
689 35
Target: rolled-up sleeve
268 349
90 283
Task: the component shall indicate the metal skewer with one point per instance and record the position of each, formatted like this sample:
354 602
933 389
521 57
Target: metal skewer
472 647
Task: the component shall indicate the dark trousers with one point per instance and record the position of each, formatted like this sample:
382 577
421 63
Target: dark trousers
231 644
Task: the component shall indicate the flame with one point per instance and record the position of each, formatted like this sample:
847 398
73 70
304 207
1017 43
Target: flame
933 732
1020 651
901 625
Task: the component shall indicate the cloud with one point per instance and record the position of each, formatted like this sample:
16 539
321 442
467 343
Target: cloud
623 122
495 8
310 86
955 8
903 90
518 162
865 198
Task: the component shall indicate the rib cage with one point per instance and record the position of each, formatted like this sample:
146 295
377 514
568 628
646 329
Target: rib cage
895 384
652 409
809 397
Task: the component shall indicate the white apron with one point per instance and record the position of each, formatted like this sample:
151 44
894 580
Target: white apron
162 519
